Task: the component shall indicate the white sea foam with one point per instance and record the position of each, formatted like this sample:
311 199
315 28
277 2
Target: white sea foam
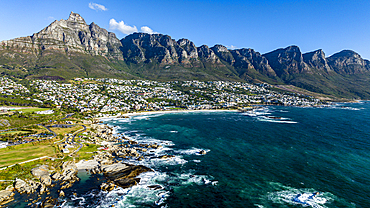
147 117
266 119
289 194
192 151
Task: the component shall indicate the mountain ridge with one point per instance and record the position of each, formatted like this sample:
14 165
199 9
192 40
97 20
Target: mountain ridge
70 48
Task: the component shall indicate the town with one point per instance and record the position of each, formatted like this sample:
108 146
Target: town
113 95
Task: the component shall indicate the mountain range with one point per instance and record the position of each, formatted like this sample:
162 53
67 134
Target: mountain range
71 48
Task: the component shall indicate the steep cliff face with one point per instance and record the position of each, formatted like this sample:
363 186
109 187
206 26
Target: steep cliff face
142 47
252 59
316 59
348 62
223 53
69 36
207 55
287 61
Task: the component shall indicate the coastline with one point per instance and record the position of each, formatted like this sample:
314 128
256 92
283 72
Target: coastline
163 112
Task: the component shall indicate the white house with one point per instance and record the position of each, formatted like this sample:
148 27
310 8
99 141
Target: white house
3 144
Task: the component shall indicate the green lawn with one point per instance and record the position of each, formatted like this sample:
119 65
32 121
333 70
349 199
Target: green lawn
15 132
85 152
19 153
31 110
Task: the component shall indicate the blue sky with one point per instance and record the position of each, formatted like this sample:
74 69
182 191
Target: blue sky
264 25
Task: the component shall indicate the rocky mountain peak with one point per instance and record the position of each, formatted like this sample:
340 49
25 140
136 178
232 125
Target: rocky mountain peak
348 62
316 59
224 54
74 17
69 36
207 54
346 54
287 61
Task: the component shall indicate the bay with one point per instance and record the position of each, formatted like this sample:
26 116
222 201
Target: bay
259 159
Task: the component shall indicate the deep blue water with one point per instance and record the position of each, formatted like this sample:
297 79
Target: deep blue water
259 161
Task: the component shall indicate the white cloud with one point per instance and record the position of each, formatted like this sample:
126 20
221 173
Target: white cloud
232 47
127 29
97 7
146 29
122 27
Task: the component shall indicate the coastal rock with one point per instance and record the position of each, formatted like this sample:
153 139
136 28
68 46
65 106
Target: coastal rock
45 179
61 193
114 167
127 182
22 187
40 171
49 203
69 171
129 172
107 186
34 185
155 187
56 176
43 189
202 152
166 156
6 196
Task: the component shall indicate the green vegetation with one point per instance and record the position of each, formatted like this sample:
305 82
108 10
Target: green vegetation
87 151
63 131
17 120
16 101
19 153
31 110
24 170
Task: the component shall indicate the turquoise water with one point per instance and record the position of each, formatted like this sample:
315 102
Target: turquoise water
259 161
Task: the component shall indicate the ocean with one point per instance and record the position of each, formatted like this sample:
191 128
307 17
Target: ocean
263 159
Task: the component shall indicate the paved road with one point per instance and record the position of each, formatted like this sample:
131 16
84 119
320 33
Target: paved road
73 139
68 115
49 130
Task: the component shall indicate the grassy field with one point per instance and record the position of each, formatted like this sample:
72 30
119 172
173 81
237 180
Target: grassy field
19 153
86 152
15 132
31 110
66 130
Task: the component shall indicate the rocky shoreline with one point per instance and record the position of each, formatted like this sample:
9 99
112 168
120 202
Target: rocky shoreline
109 162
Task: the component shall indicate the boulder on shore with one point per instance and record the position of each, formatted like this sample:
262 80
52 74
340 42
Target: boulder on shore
40 171
22 187
46 180
127 182
61 193
6 196
56 176
129 172
114 167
